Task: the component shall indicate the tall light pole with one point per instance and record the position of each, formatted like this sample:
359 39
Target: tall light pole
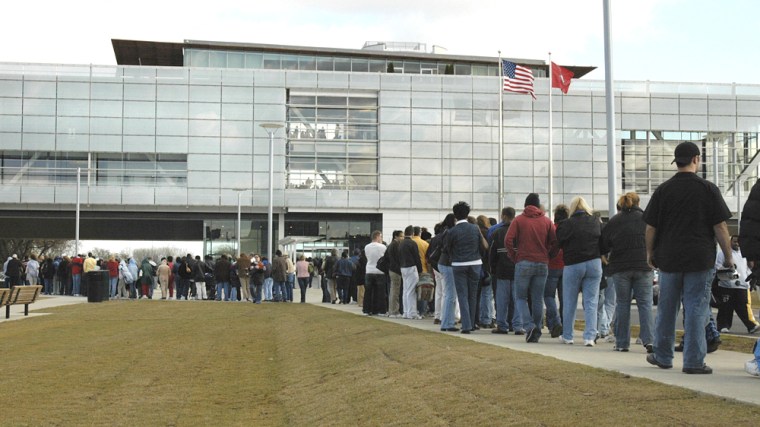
79 182
271 128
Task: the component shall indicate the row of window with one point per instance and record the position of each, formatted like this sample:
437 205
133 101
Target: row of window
55 167
279 61
332 140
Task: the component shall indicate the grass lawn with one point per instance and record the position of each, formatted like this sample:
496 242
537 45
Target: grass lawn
204 363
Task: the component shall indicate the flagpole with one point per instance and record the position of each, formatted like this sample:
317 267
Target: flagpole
610 106
551 165
500 204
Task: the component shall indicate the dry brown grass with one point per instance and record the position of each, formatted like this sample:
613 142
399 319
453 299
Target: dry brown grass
738 343
176 363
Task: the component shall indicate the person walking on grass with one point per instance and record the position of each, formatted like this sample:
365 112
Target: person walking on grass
684 217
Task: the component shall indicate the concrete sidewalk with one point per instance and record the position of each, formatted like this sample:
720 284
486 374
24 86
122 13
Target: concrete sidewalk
38 308
728 380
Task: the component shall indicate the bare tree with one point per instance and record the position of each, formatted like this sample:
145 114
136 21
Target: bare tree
156 253
26 247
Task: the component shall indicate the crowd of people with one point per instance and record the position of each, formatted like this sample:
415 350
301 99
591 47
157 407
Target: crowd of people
521 274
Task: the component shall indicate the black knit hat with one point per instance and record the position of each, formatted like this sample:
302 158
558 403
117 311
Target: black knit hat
533 200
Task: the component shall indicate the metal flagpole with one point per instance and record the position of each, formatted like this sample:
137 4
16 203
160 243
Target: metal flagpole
551 165
501 138
611 165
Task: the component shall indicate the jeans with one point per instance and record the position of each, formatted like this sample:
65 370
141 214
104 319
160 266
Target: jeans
223 287
255 292
583 276
449 297
278 291
49 286
466 280
503 297
639 285
303 282
77 280
268 283
486 299
530 278
113 281
233 292
606 307
694 289
550 298
289 286
410 277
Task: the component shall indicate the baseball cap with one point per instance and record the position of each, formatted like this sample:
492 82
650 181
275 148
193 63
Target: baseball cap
685 151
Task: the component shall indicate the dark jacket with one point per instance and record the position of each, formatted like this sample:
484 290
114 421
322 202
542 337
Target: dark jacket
623 238
280 269
501 266
329 266
392 254
463 242
344 267
578 237
222 270
409 254
749 228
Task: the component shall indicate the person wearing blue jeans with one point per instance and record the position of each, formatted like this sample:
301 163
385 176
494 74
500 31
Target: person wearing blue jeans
636 283
752 366
449 299
530 279
606 307
685 216
581 277
486 297
553 319
530 243
578 237
464 243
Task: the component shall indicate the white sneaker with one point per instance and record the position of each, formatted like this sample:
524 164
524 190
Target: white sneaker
724 331
564 341
751 368
417 317
588 343
609 338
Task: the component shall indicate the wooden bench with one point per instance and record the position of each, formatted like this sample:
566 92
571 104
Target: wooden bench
20 295
5 293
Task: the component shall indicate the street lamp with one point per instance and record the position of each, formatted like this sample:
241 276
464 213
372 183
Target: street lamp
271 128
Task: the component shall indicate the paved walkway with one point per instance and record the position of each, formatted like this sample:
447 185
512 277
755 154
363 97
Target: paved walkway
729 380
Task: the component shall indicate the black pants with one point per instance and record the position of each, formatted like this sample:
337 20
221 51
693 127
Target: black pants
374 294
343 285
732 300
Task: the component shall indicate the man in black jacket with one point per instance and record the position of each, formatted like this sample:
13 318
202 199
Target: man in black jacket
394 271
503 270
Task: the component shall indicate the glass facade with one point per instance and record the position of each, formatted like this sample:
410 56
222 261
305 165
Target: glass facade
406 146
332 140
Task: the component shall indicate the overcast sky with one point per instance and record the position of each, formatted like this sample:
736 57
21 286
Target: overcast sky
660 40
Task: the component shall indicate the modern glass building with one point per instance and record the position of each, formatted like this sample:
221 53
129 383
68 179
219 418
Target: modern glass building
373 138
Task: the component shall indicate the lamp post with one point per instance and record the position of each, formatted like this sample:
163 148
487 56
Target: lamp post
271 128
79 182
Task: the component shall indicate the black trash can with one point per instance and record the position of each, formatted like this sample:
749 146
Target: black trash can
97 286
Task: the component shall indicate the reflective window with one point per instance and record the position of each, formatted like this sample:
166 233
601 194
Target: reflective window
332 140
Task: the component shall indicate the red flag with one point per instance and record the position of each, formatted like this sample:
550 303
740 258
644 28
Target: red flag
561 77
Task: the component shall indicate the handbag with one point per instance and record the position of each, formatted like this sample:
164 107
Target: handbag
383 264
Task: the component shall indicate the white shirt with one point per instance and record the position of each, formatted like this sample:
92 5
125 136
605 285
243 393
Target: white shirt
374 251
741 268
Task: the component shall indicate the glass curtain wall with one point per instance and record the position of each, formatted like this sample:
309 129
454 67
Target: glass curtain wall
332 140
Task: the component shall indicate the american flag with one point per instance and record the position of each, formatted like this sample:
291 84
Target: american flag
517 78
